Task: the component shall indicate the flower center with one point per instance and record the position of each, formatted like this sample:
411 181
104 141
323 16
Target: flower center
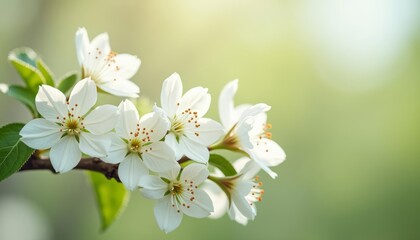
177 127
135 145
175 188
72 126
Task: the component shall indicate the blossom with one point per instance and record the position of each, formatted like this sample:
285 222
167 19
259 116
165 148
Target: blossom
246 130
137 146
243 189
178 194
189 133
110 71
67 128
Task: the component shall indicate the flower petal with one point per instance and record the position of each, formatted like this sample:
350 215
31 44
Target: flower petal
101 120
153 127
193 150
159 157
117 151
195 172
170 139
253 111
131 170
205 132
100 43
127 119
197 100
246 167
40 134
121 88
167 217
268 152
172 174
153 187
226 105
243 206
65 155
94 145
171 94
123 66
218 197
200 206
51 103
82 44
236 215
82 97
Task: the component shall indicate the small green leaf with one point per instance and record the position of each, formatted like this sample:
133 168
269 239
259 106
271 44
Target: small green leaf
111 198
46 72
13 152
21 94
67 82
24 61
223 164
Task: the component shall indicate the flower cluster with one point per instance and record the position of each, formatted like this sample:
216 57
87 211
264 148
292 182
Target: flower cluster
167 153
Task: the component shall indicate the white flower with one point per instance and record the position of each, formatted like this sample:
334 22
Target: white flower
66 128
136 145
189 133
110 71
243 191
246 127
178 195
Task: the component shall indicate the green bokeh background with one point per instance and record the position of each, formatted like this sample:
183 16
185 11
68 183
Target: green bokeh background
342 78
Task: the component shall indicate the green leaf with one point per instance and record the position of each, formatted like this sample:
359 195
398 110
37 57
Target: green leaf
21 94
24 60
67 82
13 152
46 72
223 164
111 198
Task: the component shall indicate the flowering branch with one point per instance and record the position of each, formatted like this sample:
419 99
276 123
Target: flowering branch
92 164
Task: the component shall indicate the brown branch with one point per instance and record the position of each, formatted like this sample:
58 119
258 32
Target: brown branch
92 164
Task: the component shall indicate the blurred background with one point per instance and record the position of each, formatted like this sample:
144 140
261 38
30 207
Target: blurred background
342 77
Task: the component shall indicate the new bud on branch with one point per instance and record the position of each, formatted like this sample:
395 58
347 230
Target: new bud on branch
167 154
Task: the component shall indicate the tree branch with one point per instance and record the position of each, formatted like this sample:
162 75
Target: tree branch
92 164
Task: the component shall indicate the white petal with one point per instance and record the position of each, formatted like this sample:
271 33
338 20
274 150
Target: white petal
153 127
254 111
101 120
226 105
243 206
40 134
197 100
246 167
207 132
100 42
82 44
123 67
131 170
153 187
159 157
200 206
117 151
240 109
236 215
172 174
94 145
243 187
171 94
196 173
51 103
121 88
127 119
261 164
242 132
170 139
65 155
167 217
82 97
218 197
268 152
193 150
